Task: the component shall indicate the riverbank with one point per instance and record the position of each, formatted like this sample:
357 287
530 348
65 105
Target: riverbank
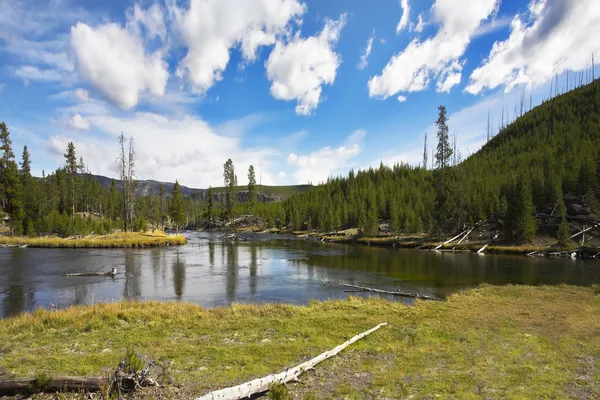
114 240
494 342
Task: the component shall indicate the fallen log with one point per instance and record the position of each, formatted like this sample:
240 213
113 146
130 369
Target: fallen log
262 385
481 250
464 237
451 240
112 273
13 386
394 293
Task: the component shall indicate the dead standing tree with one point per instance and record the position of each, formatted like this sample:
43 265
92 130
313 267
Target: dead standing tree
126 170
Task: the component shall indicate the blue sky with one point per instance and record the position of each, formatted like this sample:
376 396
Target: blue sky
300 89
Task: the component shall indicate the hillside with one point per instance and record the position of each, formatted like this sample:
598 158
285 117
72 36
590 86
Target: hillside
547 157
152 187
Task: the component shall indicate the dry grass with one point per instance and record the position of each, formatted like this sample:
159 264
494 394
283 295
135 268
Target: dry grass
115 240
491 342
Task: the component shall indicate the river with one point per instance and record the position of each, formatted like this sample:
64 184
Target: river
269 268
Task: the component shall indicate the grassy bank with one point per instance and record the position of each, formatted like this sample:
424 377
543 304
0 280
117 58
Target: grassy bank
115 240
491 342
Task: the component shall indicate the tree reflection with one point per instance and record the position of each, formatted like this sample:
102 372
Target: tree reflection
178 276
231 271
253 269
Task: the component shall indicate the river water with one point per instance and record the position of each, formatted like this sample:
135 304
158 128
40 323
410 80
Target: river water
269 268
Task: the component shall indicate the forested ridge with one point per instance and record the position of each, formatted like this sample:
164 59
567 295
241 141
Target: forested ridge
546 155
550 151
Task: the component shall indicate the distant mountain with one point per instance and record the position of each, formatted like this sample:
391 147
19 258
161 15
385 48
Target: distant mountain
152 187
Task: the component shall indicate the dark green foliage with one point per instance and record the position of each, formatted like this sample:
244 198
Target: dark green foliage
177 207
251 186
279 391
563 234
556 144
11 183
210 205
230 182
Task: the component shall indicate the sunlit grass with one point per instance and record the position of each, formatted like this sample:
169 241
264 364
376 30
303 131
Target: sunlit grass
114 240
490 342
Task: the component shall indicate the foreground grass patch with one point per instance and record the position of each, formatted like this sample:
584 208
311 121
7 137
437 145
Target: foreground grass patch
114 240
491 342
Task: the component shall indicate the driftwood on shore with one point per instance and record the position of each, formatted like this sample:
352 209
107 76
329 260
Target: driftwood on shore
390 292
112 273
234 237
12 386
262 385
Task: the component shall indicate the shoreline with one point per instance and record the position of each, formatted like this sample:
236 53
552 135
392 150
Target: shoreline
418 242
110 241
492 338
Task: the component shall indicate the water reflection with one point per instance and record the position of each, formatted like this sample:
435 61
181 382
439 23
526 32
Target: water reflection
212 272
178 276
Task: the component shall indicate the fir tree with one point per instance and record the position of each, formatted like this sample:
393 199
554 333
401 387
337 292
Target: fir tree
177 207
230 181
563 233
520 221
11 183
71 169
251 186
210 206
28 192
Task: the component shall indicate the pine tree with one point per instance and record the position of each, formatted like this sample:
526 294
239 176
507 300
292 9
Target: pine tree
177 207
161 206
71 168
444 151
230 181
520 221
210 206
11 183
251 187
563 233
28 192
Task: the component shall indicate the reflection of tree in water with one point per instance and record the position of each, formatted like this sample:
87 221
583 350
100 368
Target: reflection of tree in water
211 254
231 272
14 301
81 294
155 261
19 294
253 268
132 290
178 276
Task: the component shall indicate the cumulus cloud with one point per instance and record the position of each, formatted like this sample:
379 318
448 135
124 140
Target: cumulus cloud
299 68
401 99
180 147
556 35
210 29
113 60
420 24
152 19
79 123
319 165
403 23
364 59
31 73
422 61
82 94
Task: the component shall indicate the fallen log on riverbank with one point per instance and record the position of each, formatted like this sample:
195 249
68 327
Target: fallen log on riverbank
13 386
390 292
261 385
112 273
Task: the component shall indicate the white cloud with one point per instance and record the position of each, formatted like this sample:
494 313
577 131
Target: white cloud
281 174
82 94
420 62
364 59
299 68
403 23
167 148
152 19
31 73
79 123
319 165
401 99
211 28
420 24
558 35
114 61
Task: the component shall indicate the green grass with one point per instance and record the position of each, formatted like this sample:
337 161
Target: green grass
513 342
115 240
